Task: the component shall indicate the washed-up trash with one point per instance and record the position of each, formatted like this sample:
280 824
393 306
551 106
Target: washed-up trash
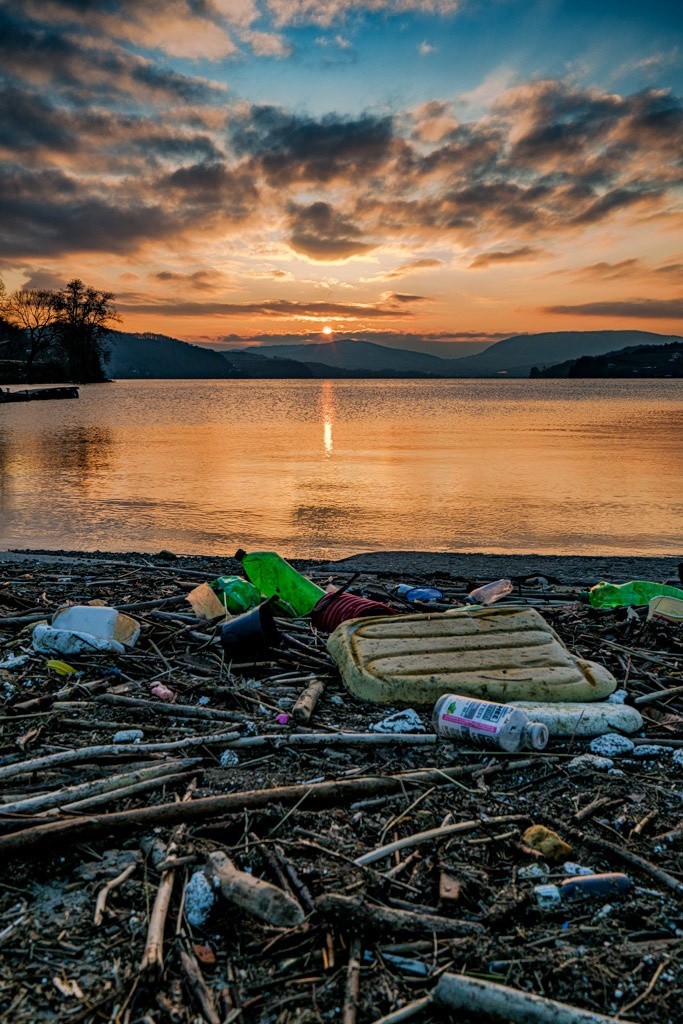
128 736
274 577
668 609
487 724
339 606
403 721
161 692
501 653
547 842
609 883
251 633
592 719
634 593
611 745
263 900
60 667
86 629
205 603
199 899
13 662
490 592
548 896
420 594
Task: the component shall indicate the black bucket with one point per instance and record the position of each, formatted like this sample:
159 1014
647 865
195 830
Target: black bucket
251 633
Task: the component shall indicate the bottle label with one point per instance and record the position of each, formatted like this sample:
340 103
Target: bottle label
475 714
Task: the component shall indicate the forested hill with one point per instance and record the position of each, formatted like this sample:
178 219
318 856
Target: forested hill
636 361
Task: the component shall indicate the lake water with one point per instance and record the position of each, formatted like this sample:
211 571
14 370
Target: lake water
330 468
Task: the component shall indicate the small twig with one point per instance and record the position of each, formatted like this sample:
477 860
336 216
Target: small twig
102 895
352 990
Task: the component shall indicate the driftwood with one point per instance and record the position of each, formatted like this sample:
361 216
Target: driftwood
434 834
356 913
352 989
197 987
306 702
257 897
499 1002
101 902
316 794
158 707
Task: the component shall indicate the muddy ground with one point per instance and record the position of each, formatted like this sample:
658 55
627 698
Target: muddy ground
463 902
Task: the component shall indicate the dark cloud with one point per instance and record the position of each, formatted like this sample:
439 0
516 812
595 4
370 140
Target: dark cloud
271 307
288 148
402 297
486 259
643 309
200 280
321 233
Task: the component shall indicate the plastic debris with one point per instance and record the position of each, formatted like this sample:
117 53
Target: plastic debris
199 899
128 736
86 629
13 662
422 595
594 719
250 633
668 609
487 724
500 654
276 578
403 721
490 592
547 842
205 604
547 896
596 885
611 744
339 606
635 592
161 691
60 667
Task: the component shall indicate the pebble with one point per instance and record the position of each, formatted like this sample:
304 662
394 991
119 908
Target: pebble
547 896
677 757
610 744
589 762
402 721
199 899
618 697
533 871
651 750
203 701
14 661
128 736
570 868
229 759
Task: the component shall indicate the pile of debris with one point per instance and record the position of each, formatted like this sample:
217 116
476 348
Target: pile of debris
218 813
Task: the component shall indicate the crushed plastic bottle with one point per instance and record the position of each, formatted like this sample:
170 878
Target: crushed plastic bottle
486 723
635 593
420 594
275 577
490 592
238 595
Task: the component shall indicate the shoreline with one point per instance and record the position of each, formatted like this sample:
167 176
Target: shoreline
575 569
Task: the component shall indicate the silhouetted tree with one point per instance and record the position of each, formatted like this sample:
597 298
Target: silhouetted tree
33 313
83 319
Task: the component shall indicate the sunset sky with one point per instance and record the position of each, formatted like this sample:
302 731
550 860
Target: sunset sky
264 169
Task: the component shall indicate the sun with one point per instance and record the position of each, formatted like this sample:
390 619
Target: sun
327 331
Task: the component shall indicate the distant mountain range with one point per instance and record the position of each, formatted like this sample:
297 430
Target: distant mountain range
637 361
154 355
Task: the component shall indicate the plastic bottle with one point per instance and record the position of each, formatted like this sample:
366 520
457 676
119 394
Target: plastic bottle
635 592
490 592
488 724
276 578
411 594
236 594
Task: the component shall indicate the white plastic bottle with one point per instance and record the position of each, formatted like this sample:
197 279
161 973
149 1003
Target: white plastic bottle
488 724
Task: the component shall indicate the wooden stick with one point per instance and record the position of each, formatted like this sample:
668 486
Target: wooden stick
434 833
199 990
153 956
336 739
102 895
407 1012
352 912
637 862
500 1002
257 897
46 701
170 710
306 702
314 795
9 771
70 794
352 990
126 791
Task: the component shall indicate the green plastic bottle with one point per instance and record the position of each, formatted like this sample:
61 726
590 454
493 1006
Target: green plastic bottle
636 592
236 594
276 578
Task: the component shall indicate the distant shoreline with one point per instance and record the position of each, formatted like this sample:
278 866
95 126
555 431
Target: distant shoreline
570 569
